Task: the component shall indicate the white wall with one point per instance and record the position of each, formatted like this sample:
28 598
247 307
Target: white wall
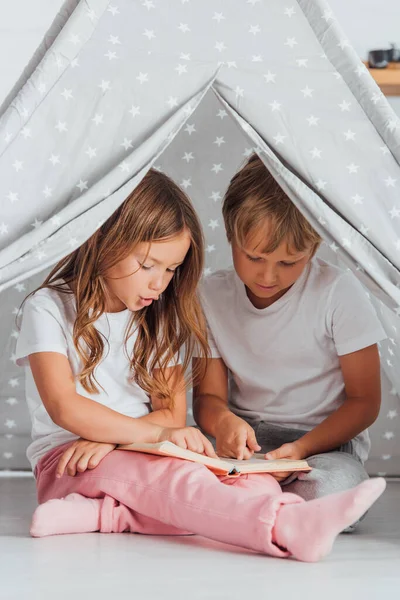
368 24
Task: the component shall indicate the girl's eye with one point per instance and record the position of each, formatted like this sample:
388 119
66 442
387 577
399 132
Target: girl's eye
171 270
146 268
285 264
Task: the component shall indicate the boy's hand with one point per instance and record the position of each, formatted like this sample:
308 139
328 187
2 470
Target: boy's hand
188 438
235 438
291 451
82 455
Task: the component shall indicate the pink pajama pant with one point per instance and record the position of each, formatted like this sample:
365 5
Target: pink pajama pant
143 493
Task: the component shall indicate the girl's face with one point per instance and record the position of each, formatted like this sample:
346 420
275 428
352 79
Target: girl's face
268 276
139 279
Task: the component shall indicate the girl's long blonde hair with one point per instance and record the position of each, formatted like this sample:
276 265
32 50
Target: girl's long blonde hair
156 210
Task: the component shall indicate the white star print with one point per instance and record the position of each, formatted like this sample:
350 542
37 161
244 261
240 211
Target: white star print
328 15
218 17
220 46
104 85
188 156
61 126
55 220
12 197
10 423
184 56
275 106
390 182
269 77
256 58
216 168
184 27
254 29
74 63
210 248
302 62
291 42
125 166
395 212
388 435
148 4
344 105
111 55
315 153
98 119
142 77
313 120
384 150
74 39
7 137
67 94
349 135
392 414
219 141
18 165
12 401
307 92
135 110
91 152
222 113
344 44
181 69
361 70
185 183
36 223
172 101
82 185
215 196
279 138
190 129
289 12
213 224
352 168
321 184
357 199
127 143
149 33
114 39
364 230
3 228
48 192
26 132
334 247
239 92
55 160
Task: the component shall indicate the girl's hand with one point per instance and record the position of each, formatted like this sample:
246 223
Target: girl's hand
188 438
82 455
290 451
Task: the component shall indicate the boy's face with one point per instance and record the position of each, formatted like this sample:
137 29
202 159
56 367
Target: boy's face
268 276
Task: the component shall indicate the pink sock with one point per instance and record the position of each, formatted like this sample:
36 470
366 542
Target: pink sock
72 514
307 530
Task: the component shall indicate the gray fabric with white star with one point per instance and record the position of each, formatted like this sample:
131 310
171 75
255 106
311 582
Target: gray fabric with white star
193 88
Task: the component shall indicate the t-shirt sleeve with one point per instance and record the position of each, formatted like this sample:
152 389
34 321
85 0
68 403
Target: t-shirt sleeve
352 319
41 329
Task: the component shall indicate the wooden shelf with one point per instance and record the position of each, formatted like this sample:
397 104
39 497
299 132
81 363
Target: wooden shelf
388 79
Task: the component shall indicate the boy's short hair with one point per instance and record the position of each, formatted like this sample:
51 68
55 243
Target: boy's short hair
253 196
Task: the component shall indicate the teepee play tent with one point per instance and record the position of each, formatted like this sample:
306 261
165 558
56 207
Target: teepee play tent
192 87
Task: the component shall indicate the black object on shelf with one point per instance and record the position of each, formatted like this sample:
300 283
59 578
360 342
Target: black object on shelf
379 59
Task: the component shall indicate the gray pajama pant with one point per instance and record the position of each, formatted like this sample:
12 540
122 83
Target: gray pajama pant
332 472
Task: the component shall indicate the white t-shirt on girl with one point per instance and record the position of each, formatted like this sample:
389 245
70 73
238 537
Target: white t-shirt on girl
284 359
47 326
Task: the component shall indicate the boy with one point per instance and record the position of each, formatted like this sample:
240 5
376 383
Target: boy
295 367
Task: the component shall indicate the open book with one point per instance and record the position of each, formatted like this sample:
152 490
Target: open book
221 466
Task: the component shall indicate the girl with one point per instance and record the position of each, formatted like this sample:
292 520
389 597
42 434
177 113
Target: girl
101 339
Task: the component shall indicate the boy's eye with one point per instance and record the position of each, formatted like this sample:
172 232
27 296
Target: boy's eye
286 264
146 268
171 270
254 258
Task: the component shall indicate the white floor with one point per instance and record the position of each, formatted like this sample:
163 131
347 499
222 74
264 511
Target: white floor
363 565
